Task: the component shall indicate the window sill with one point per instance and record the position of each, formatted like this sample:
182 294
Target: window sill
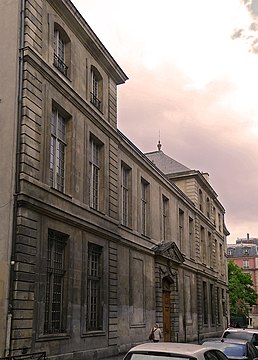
52 337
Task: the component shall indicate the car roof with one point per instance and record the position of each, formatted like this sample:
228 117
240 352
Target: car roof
175 348
248 330
228 340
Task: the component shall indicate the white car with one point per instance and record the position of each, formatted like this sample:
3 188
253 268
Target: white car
174 351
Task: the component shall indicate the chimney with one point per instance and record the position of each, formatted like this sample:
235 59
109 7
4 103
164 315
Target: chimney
247 236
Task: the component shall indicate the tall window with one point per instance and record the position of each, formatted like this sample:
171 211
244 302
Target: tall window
203 245
125 183
94 173
191 236
245 264
96 88
208 207
165 218
59 52
95 275
181 228
218 304
57 150
212 304
56 292
200 200
205 302
144 206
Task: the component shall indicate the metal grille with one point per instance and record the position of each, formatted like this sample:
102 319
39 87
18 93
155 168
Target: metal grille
54 312
94 315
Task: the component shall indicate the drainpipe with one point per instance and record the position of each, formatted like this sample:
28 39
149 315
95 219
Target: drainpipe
17 182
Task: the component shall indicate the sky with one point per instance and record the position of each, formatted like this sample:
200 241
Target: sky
193 85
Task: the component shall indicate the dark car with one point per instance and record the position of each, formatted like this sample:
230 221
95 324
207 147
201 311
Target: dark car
235 349
245 334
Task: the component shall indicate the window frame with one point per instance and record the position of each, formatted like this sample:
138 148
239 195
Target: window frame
95 275
96 89
126 191
145 206
95 162
57 264
62 50
57 146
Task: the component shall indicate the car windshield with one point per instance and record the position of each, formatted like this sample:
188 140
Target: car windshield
155 356
234 350
238 335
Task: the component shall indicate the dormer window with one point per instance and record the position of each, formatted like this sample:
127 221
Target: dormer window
230 253
61 50
96 88
246 251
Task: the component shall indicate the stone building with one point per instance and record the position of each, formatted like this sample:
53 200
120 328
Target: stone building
244 253
98 241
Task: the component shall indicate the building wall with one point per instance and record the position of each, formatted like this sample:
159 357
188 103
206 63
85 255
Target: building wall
9 24
137 265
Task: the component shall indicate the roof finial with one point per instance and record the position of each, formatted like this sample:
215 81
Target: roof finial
159 144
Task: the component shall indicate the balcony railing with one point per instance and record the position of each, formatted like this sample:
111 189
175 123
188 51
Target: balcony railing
60 65
95 101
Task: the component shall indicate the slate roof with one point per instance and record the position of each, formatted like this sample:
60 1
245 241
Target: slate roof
243 250
165 163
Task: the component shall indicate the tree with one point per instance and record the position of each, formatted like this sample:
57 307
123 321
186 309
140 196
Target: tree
241 293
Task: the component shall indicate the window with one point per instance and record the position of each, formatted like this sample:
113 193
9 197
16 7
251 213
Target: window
165 218
218 304
191 236
61 50
208 207
210 246
56 292
57 150
203 245
125 199
212 303
94 286
144 207
181 228
219 217
245 264
245 251
230 252
95 148
200 200
205 303
96 88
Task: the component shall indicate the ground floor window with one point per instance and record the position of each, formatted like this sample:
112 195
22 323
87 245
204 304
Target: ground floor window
94 288
56 291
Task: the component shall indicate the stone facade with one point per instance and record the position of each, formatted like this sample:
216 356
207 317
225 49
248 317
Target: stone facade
97 243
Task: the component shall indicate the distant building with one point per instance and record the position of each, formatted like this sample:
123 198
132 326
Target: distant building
98 241
244 253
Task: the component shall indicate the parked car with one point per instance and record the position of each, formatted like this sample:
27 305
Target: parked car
245 334
235 349
176 351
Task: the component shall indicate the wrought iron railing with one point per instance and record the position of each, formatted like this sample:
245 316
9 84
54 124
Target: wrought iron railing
60 65
95 101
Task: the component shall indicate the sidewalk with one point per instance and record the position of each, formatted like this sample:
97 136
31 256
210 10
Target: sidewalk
116 357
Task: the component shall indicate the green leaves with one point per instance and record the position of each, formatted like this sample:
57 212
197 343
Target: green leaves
241 293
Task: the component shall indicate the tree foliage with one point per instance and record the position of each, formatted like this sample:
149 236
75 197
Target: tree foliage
241 293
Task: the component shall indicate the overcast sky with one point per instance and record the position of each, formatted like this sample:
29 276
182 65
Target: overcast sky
193 82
